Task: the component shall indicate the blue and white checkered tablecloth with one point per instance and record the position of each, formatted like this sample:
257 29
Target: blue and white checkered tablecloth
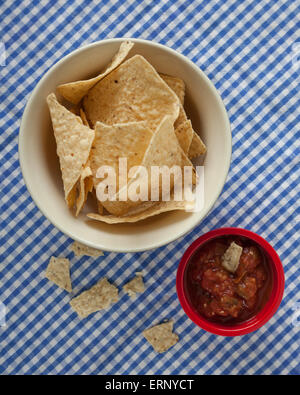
250 49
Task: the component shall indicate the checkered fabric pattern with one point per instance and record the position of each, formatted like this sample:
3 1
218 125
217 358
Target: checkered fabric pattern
249 50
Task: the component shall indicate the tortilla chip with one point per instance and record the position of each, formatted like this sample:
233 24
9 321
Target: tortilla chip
184 131
133 92
161 337
178 87
154 209
97 298
182 117
129 140
74 141
134 286
75 91
100 207
99 204
80 249
58 271
73 110
197 147
184 134
83 117
163 150
182 125
176 84
71 197
85 186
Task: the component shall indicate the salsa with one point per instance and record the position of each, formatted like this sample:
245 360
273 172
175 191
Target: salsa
221 295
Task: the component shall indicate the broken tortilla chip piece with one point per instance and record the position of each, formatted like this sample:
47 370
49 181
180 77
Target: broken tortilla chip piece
74 141
97 298
75 91
58 271
133 92
80 249
136 285
161 337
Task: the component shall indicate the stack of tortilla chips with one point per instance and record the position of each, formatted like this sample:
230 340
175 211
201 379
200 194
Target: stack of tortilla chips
128 111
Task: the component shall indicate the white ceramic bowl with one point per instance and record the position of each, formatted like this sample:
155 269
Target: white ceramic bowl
39 162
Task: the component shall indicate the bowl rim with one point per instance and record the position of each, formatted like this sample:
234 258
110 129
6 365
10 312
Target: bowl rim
263 316
22 136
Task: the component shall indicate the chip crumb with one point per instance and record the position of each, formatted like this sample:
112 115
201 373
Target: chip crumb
161 337
58 271
80 249
135 286
97 298
231 257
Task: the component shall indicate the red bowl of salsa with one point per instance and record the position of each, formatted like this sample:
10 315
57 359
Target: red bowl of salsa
230 281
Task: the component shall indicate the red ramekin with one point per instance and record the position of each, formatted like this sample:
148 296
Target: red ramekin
263 315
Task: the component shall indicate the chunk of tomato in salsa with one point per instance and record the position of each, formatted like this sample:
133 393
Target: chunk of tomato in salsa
232 305
260 275
249 259
211 307
219 294
217 282
247 289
